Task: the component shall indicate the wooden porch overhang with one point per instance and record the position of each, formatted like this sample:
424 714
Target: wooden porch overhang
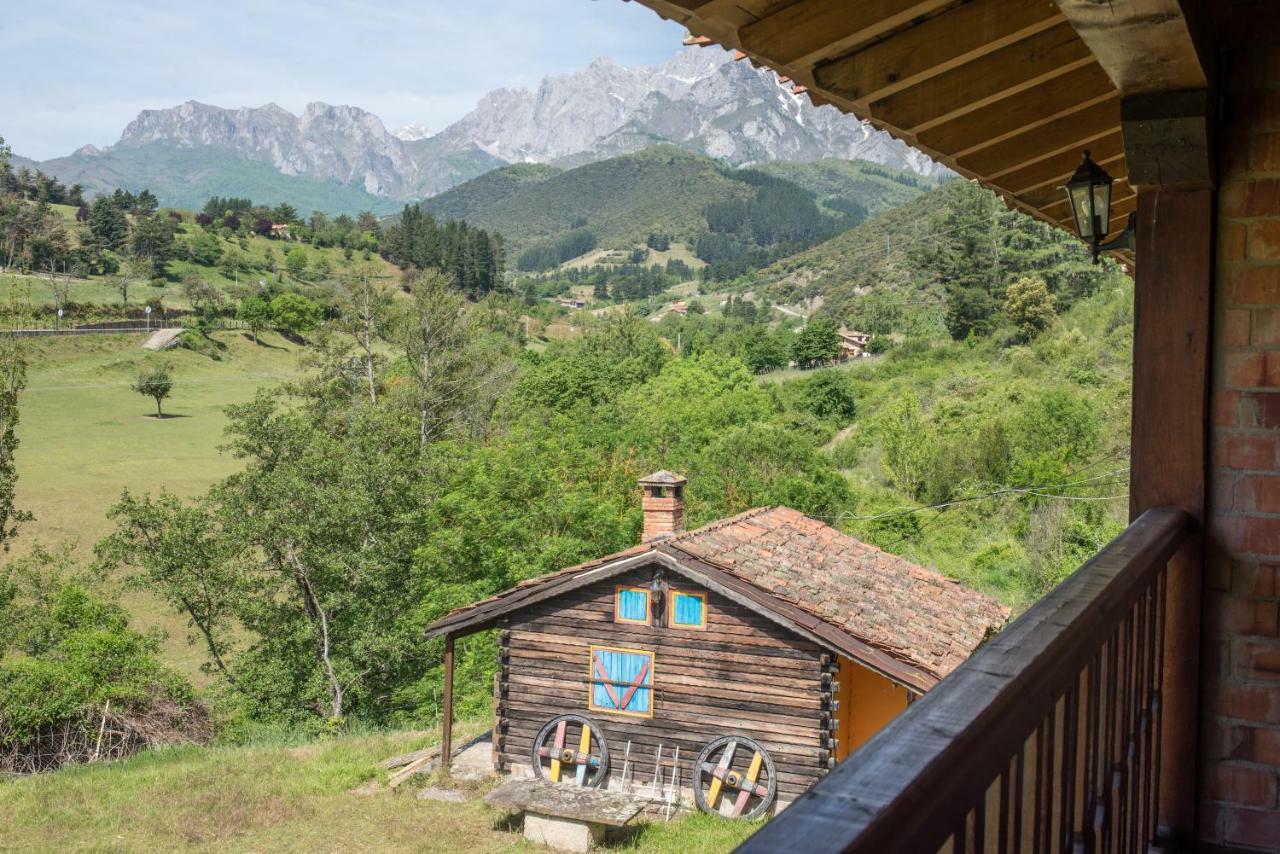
1006 92
1009 93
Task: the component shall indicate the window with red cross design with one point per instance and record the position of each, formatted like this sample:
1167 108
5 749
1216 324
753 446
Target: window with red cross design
621 681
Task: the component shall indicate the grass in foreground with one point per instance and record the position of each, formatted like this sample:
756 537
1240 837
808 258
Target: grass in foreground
276 798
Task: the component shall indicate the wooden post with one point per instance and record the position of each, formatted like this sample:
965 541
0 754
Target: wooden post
1171 350
446 740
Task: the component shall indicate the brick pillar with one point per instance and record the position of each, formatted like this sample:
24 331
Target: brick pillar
1240 731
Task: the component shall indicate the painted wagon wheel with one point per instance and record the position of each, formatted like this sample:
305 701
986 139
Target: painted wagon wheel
573 749
737 771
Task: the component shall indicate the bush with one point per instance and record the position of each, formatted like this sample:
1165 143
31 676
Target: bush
295 313
828 395
70 664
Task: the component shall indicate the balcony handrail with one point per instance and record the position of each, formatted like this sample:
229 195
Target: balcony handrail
912 786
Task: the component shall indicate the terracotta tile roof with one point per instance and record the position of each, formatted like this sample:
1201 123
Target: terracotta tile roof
913 614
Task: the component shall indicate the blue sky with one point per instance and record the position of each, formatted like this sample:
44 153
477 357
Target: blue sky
77 71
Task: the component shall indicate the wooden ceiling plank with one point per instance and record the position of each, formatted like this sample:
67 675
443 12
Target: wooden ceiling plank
1059 167
1143 45
803 32
934 47
1020 113
987 80
1051 181
1074 131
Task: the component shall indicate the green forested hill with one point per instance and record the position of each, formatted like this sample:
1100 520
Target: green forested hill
662 190
839 185
186 177
934 264
482 196
622 200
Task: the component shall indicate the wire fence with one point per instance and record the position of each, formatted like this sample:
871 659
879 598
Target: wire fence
101 735
122 327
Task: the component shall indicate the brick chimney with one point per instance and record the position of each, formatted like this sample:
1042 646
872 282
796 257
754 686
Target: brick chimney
663 505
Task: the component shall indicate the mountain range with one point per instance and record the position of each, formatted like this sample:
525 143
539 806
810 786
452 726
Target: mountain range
344 158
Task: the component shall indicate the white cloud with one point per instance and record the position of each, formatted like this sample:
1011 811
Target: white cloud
77 71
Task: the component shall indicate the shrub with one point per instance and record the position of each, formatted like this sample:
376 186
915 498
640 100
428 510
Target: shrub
75 680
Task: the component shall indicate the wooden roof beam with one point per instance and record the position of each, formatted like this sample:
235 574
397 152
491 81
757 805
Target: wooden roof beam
935 46
804 32
1020 113
1143 45
1056 170
1072 132
987 80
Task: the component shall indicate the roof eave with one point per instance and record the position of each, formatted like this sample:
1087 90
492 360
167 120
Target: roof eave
744 593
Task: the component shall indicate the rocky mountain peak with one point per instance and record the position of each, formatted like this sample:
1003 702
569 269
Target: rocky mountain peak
412 132
699 100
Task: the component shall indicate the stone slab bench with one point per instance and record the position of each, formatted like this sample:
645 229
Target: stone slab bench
564 816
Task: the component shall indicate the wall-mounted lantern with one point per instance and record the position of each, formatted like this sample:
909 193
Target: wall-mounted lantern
1089 194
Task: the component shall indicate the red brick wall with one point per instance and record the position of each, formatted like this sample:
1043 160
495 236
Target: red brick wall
1240 742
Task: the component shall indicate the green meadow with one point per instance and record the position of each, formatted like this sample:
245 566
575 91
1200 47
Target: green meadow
86 436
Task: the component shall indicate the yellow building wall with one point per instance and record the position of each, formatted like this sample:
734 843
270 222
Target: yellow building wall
868 701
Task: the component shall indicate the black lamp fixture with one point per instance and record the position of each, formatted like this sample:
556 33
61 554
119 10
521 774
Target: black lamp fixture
658 599
1089 194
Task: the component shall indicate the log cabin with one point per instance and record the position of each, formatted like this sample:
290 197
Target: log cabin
1136 707
764 648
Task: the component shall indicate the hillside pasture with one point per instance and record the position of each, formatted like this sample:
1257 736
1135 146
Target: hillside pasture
86 435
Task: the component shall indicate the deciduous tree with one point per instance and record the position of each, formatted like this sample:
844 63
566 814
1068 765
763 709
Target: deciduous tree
156 383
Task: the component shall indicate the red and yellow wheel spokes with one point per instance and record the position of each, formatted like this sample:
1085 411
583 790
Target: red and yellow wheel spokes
561 756
722 776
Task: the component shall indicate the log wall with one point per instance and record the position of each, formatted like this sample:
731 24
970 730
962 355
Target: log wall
742 674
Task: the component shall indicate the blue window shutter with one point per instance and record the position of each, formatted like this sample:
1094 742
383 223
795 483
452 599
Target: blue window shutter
688 610
633 605
622 670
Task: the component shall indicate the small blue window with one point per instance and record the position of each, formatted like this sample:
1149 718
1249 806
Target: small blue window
632 605
621 681
688 610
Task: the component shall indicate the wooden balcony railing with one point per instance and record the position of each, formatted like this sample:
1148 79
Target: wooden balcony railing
1048 739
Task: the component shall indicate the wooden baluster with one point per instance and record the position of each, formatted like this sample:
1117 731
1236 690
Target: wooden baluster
1121 777
1067 768
974 829
1093 741
1045 756
1135 728
1157 708
1148 727
1019 771
1002 784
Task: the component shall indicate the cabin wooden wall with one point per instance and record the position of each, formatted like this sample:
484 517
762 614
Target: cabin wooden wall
742 675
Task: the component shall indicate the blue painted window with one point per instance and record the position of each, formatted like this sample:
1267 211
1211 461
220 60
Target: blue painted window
688 610
632 605
621 681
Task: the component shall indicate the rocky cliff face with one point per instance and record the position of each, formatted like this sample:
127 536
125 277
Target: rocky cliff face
343 144
699 100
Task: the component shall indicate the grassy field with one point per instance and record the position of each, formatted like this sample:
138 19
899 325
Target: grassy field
37 291
279 798
85 436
